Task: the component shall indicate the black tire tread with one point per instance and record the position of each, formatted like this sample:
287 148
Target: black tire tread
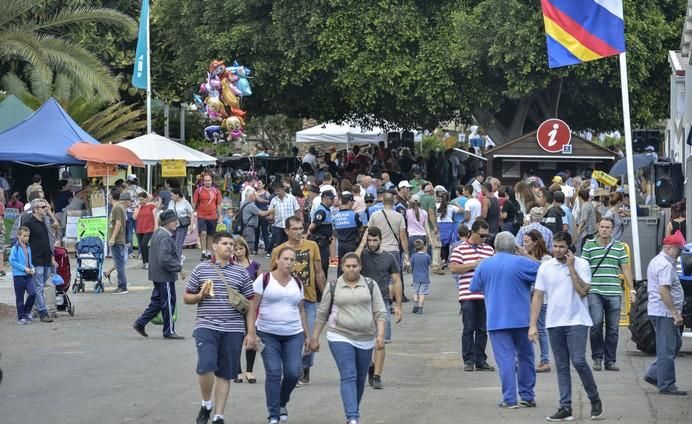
643 334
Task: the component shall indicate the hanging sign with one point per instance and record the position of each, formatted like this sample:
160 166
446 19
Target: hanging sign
604 178
554 136
92 227
173 168
95 169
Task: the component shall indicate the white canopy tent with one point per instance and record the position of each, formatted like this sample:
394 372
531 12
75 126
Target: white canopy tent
341 134
152 149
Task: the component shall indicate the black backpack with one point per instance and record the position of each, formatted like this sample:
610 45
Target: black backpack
237 226
553 219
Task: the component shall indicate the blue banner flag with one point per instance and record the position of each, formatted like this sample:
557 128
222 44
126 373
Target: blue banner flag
140 73
579 31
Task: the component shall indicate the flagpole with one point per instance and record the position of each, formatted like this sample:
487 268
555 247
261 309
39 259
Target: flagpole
629 155
148 94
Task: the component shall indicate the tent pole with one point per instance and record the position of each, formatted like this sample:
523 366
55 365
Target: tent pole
148 178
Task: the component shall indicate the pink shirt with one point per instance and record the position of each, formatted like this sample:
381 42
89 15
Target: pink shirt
416 227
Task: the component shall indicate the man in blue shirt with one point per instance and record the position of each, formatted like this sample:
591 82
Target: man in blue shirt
506 279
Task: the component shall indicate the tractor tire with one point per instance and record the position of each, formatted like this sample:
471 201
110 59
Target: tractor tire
643 334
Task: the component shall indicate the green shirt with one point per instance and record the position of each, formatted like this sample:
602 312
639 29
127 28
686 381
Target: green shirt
605 280
427 202
416 184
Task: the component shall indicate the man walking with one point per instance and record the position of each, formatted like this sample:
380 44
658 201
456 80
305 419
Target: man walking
465 259
565 279
505 280
117 239
207 202
347 226
164 265
281 207
41 241
607 259
320 229
665 308
308 269
219 328
392 226
382 267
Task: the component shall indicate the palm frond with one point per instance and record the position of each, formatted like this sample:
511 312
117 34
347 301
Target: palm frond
13 9
67 17
116 122
86 72
82 108
13 84
62 89
40 87
24 47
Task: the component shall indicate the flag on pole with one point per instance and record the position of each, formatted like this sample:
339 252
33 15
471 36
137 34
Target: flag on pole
139 75
579 31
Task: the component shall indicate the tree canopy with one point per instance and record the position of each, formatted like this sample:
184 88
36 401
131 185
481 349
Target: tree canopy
413 63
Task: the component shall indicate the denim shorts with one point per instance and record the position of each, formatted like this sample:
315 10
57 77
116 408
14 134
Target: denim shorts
206 226
422 288
218 352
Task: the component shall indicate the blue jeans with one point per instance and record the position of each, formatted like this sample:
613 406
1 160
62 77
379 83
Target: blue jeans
668 344
543 336
474 336
263 230
130 226
608 307
281 357
353 366
43 273
119 254
514 357
310 314
278 236
569 344
180 234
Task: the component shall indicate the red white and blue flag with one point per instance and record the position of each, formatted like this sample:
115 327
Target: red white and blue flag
582 30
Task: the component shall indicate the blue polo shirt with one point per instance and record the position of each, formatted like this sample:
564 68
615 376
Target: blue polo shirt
506 282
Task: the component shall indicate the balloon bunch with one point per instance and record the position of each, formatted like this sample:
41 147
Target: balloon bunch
224 87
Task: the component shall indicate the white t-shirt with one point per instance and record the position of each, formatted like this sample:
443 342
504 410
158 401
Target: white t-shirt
451 210
473 206
565 306
278 310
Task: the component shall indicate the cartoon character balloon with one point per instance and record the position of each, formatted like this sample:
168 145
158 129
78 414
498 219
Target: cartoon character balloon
223 89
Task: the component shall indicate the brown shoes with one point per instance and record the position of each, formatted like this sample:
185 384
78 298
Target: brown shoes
543 367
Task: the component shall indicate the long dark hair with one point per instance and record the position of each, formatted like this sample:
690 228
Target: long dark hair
444 202
540 250
510 196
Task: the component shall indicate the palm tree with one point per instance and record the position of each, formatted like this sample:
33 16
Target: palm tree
104 121
26 38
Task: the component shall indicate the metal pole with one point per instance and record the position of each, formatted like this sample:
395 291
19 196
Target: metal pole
148 74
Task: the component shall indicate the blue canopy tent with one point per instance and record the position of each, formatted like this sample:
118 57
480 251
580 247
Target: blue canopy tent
43 138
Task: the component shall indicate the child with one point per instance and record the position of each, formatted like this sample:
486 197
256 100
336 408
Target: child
22 273
420 267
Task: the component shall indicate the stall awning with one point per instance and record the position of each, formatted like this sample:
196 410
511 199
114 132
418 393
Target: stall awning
153 148
332 133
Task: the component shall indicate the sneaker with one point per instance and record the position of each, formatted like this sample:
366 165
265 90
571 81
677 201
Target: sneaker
352 422
506 405
46 318
203 257
273 421
484 367
22 322
543 367
305 379
376 382
267 255
283 414
612 367
673 392
468 366
203 416
371 374
29 318
528 403
651 381
146 266
415 309
597 364
562 414
218 421
120 291
140 330
597 410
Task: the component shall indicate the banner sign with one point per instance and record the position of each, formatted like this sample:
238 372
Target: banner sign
604 178
92 227
101 169
173 168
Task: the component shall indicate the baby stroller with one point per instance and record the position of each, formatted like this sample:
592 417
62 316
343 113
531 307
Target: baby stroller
90 257
62 300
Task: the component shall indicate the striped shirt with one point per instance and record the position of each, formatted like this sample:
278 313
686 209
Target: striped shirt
216 313
466 253
605 280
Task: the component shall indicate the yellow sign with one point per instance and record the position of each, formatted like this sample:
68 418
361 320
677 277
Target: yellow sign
101 169
92 227
604 178
173 168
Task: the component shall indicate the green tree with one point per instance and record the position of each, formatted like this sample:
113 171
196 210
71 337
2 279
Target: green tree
37 33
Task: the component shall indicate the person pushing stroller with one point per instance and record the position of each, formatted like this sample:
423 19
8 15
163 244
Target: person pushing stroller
164 265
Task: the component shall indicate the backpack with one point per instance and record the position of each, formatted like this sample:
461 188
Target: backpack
265 283
332 290
553 220
237 226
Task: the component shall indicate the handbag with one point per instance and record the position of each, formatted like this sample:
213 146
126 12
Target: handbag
183 221
237 300
158 319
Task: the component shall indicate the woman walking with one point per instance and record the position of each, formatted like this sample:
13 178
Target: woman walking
283 330
534 248
242 257
415 219
147 219
356 314
445 223
262 202
183 209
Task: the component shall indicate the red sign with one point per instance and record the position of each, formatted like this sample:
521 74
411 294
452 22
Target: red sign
554 135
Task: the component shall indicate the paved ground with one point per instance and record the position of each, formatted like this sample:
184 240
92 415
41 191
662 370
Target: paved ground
95 368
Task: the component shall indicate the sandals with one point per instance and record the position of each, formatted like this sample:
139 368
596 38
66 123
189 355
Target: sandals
250 378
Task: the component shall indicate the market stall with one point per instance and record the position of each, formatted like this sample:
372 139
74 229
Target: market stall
331 133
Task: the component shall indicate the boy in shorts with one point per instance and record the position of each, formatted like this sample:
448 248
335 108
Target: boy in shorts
420 267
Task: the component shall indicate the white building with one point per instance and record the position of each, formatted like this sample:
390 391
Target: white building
679 125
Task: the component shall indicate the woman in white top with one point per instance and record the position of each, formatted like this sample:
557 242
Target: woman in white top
183 209
282 327
445 223
415 223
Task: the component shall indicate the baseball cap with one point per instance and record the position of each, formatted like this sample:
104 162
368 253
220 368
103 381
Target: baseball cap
328 193
346 196
381 190
440 188
368 197
557 179
537 212
131 177
676 239
403 184
415 198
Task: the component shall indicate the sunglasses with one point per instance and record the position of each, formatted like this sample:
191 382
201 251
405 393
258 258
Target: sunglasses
483 236
43 207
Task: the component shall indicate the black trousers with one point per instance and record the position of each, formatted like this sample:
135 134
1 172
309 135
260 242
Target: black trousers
474 336
162 300
143 241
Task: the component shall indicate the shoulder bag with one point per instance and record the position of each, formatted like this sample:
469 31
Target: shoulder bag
183 221
237 300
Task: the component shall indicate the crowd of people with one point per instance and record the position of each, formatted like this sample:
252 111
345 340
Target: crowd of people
531 263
